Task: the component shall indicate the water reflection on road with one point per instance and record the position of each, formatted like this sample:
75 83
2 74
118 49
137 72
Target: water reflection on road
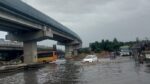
125 71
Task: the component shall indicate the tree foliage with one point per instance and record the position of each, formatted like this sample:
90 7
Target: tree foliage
84 50
106 45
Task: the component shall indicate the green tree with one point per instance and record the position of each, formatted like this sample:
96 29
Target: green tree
116 44
106 45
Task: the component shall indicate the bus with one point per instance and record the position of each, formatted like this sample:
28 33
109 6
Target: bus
49 56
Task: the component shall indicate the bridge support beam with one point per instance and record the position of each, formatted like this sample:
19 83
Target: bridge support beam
71 50
76 48
30 42
30 52
75 52
68 51
31 36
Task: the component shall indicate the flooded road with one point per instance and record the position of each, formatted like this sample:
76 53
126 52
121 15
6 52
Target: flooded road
119 71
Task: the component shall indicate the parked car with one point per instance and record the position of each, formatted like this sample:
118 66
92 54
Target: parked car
90 58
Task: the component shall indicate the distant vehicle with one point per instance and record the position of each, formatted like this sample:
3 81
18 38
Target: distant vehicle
90 58
125 51
44 57
147 56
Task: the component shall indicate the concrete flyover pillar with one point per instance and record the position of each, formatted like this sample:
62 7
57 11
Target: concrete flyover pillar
29 40
68 51
30 52
71 50
75 49
75 52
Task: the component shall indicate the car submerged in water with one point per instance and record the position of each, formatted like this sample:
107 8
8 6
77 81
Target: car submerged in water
90 58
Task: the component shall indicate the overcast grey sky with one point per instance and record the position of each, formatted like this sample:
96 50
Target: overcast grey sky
94 20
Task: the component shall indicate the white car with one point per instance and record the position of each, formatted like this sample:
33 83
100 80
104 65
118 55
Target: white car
90 58
124 53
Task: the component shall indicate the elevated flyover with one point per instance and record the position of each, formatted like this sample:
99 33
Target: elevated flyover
28 25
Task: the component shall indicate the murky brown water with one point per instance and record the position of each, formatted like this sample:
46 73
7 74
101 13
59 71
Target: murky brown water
73 72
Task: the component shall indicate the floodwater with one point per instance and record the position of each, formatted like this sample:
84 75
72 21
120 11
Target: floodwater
120 71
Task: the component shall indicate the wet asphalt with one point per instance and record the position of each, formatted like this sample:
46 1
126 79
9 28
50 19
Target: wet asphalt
122 70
